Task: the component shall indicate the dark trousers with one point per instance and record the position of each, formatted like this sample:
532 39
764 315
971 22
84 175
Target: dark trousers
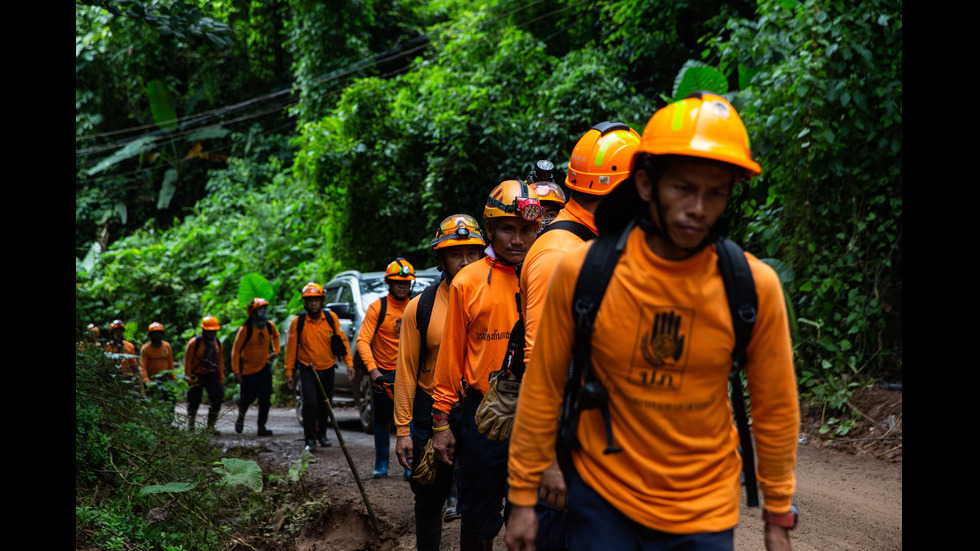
429 499
315 418
257 385
595 525
481 478
216 393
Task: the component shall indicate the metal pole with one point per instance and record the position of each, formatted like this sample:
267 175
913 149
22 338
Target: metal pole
343 446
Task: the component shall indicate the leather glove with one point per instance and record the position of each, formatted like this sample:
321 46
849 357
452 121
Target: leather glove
425 473
495 416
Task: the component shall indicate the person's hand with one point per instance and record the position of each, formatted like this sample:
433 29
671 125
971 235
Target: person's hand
238 378
522 527
291 383
553 489
777 538
375 374
350 374
444 445
495 415
403 449
425 473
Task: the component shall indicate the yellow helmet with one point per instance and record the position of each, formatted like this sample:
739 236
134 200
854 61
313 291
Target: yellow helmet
601 158
704 125
458 230
400 270
549 191
513 198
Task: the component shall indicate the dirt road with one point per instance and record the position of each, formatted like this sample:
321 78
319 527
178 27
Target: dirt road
847 502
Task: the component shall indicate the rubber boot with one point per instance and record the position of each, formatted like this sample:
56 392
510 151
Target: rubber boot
381 450
469 542
213 417
263 419
428 532
240 421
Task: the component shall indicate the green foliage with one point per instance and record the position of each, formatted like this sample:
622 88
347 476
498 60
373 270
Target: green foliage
240 472
251 286
824 105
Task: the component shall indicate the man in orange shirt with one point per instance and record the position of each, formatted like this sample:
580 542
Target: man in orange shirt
313 346
656 463
204 366
251 362
377 346
482 311
116 344
457 243
156 356
599 161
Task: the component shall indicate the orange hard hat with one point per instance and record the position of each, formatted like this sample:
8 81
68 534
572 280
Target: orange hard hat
458 230
704 125
255 304
549 191
513 198
601 158
400 270
117 324
210 323
93 329
155 326
313 290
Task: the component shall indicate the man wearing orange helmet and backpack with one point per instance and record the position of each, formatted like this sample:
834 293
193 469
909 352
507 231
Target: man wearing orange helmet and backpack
458 242
117 344
313 346
204 366
483 309
377 346
660 314
251 362
599 161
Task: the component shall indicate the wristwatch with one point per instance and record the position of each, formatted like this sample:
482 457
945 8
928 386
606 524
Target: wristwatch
786 520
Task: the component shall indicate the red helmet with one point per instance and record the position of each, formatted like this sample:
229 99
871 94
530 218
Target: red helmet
210 323
313 290
255 304
400 270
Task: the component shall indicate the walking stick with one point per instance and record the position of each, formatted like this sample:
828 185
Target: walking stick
350 460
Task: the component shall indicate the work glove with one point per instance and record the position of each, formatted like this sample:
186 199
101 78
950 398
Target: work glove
495 416
425 473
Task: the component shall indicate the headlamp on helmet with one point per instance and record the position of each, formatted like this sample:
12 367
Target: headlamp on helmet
513 198
456 231
400 270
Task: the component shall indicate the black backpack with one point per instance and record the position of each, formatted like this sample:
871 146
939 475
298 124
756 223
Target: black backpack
337 346
583 391
423 312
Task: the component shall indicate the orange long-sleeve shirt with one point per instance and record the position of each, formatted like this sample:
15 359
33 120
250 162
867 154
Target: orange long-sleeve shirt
408 356
380 350
662 347
541 260
154 359
315 348
126 365
192 358
482 311
255 354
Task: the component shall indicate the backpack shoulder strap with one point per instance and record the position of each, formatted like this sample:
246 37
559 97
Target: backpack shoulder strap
580 230
381 318
743 303
597 270
423 313
329 315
